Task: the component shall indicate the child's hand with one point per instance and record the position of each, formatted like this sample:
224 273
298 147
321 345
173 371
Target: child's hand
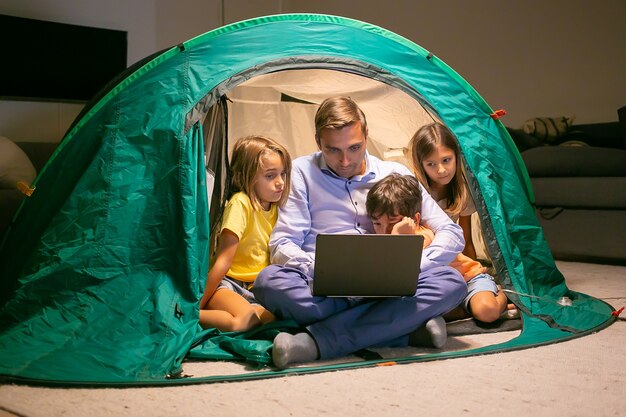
406 226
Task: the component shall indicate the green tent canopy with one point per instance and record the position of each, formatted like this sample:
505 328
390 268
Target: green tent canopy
103 266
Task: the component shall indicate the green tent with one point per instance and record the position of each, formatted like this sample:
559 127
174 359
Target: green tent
103 266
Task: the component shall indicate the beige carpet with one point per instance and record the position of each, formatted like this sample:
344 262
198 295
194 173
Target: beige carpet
581 377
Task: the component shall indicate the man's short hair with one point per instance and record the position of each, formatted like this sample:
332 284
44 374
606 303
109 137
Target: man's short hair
337 113
394 195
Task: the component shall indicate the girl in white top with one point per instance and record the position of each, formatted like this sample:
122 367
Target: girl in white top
436 161
260 176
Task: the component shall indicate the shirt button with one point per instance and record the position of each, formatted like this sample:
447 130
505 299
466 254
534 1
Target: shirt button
358 224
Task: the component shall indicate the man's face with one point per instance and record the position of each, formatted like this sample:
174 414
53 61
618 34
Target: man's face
344 150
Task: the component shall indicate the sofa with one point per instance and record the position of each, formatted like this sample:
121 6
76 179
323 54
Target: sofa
19 161
579 184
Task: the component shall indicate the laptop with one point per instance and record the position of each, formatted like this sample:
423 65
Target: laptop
367 265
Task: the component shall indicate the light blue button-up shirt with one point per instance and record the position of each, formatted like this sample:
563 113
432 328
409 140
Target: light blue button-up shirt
320 201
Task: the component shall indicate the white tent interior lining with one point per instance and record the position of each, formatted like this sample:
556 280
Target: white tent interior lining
282 105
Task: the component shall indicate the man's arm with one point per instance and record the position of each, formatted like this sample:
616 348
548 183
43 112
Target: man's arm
448 241
292 226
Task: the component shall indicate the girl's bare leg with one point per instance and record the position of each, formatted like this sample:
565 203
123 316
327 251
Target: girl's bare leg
228 311
264 315
487 307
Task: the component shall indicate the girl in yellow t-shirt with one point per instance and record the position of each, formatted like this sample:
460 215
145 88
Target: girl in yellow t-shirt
260 174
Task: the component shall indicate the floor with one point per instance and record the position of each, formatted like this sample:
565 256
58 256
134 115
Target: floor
580 377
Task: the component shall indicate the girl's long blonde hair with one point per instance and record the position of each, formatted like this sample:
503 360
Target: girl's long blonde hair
422 144
247 160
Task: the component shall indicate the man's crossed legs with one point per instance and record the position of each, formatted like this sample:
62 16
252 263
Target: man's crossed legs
340 326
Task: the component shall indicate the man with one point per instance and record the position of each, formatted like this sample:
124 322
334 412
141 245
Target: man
328 193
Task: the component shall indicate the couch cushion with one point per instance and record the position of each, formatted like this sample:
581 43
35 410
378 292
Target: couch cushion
580 192
585 235
14 165
575 161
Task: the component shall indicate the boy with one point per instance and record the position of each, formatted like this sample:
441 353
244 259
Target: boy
394 205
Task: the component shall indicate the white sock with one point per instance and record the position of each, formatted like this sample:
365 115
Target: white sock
432 334
289 348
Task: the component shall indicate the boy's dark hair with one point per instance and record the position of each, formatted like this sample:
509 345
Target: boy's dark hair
394 195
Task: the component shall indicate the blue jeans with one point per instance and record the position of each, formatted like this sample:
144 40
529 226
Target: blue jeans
342 325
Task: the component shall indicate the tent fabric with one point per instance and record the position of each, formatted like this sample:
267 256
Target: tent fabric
105 264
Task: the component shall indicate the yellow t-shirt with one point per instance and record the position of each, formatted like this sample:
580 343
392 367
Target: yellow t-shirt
253 228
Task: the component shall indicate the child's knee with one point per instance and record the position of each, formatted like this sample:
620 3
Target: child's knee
244 321
485 308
